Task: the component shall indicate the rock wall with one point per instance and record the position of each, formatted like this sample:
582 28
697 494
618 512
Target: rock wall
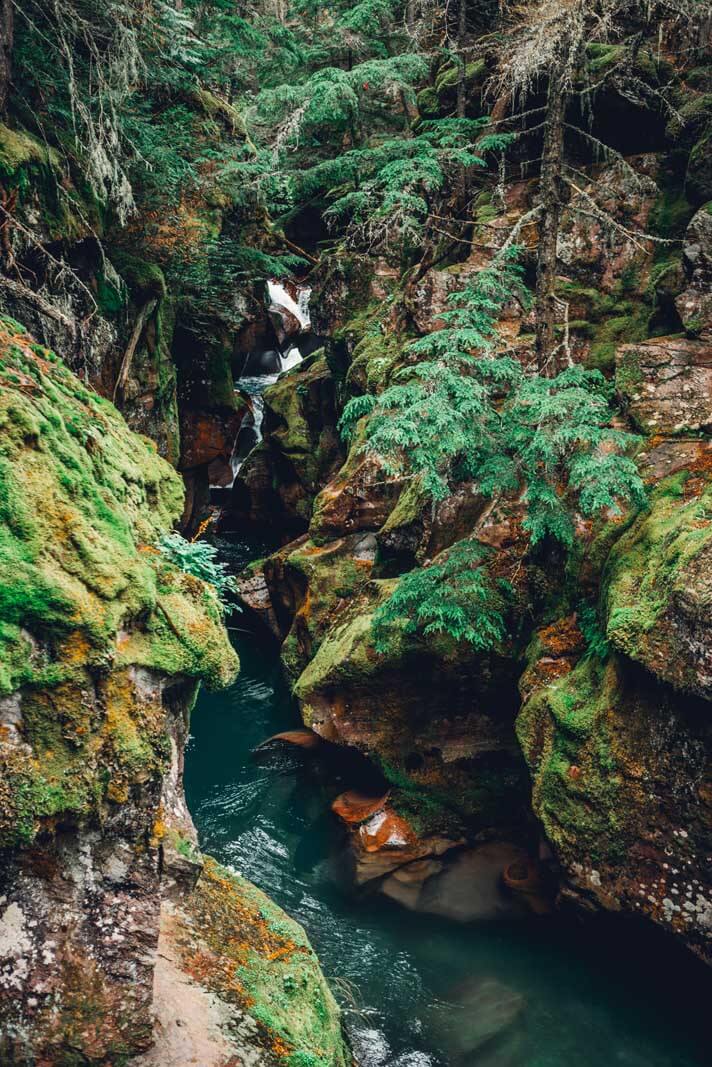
103 644
608 742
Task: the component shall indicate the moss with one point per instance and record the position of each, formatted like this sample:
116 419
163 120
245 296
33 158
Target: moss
629 376
428 102
565 730
261 960
330 575
409 508
691 119
143 278
110 298
698 181
601 57
699 78
609 336
449 75
607 320
648 569
671 213
374 359
82 593
20 149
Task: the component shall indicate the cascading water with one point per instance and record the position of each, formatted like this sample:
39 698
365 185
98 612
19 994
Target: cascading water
291 319
282 304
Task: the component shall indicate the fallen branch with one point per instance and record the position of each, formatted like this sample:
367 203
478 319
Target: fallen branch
19 290
143 315
294 248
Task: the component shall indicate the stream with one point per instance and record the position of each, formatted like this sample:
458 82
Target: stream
418 990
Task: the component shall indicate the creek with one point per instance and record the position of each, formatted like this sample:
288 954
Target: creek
419 990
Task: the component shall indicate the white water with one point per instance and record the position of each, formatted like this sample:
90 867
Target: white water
280 303
280 300
255 386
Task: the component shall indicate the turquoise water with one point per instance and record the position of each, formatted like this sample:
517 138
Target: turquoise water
419 990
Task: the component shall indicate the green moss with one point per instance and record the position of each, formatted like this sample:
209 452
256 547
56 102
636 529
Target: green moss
109 296
565 731
601 57
268 968
449 75
671 213
648 568
629 376
699 78
374 359
330 574
428 102
82 499
19 149
409 508
144 279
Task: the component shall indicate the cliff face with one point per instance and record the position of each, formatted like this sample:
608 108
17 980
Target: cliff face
608 739
103 644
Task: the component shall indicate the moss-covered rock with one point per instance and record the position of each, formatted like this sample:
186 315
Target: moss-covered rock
229 939
621 784
426 713
658 586
84 593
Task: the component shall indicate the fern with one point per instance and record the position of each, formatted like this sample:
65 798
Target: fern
455 597
200 559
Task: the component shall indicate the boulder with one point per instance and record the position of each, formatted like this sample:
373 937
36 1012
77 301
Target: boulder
666 383
694 304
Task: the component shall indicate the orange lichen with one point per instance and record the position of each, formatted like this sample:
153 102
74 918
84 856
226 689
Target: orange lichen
562 638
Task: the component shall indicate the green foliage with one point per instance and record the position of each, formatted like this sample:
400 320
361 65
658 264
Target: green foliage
597 644
199 558
395 184
455 597
463 413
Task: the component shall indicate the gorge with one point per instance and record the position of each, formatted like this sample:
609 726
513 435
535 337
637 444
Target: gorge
355 533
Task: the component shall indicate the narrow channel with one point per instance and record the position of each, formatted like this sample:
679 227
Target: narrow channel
419 990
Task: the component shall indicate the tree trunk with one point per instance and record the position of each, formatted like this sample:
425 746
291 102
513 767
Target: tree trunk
461 91
461 32
125 368
551 199
410 16
6 33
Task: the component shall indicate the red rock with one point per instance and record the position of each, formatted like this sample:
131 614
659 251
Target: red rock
306 739
354 807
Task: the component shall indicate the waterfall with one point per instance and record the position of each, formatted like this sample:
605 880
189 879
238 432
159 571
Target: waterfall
281 301
291 319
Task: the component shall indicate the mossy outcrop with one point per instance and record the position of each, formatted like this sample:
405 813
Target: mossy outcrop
249 978
622 783
103 644
658 582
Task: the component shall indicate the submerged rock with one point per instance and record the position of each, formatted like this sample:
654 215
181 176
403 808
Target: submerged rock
481 1023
